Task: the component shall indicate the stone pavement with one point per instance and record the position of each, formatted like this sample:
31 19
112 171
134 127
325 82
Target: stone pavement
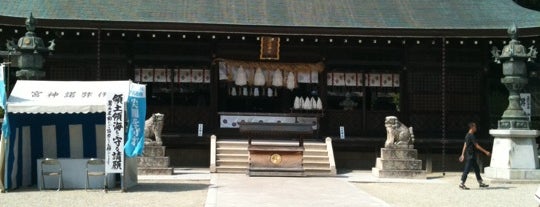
241 190
360 188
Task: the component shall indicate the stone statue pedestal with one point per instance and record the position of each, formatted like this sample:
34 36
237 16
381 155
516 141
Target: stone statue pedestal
399 162
514 155
154 161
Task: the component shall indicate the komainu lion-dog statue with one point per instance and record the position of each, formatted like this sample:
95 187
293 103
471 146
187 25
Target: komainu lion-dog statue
397 134
152 129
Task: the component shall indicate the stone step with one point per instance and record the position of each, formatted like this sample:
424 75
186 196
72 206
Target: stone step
314 146
287 172
411 174
316 153
154 151
311 158
285 143
316 165
242 151
399 154
232 163
153 161
232 157
155 171
398 164
318 172
232 169
232 144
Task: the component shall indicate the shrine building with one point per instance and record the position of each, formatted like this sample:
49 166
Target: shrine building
342 66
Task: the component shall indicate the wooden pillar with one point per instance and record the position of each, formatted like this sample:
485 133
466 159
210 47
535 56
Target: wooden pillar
98 55
443 102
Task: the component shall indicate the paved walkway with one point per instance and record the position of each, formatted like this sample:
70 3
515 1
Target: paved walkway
241 190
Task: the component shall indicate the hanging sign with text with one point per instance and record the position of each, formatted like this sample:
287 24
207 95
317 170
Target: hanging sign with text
114 133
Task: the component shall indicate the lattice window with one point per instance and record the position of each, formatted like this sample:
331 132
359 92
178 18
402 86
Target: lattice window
424 91
70 70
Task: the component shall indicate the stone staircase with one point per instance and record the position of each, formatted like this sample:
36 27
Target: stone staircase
154 161
232 156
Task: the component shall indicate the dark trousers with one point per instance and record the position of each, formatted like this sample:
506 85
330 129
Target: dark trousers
471 162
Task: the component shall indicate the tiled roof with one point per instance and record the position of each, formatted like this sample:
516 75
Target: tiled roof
358 14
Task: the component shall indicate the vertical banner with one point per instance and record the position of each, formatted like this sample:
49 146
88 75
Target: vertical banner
136 112
114 133
3 100
5 127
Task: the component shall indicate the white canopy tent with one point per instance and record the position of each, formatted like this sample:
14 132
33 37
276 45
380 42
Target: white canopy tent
61 119
60 97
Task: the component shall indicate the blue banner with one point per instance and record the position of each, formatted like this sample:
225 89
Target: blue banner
136 112
3 100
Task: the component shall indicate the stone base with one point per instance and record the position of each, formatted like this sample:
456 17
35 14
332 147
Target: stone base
512 174
395 164
154 161
400 162
408 174
279 172
155 171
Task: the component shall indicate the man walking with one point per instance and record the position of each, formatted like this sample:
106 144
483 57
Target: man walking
468 154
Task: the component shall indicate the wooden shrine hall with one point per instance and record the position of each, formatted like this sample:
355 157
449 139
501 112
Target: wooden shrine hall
339 66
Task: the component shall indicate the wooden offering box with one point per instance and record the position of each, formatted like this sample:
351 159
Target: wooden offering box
276 149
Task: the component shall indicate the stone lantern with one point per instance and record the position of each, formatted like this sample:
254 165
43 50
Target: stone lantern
28 53
514 155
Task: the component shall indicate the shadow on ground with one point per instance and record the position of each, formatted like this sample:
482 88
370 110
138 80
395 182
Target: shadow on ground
167 187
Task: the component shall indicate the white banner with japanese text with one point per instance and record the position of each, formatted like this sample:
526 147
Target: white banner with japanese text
114 133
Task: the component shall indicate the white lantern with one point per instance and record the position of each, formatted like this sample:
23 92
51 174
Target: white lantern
319 104
259 78
241 77
277 78
291 82
297 103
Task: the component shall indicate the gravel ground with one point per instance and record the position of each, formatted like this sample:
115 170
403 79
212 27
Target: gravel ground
447 193
147 193
442 192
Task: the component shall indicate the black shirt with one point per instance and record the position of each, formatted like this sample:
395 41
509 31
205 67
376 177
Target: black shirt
470 149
